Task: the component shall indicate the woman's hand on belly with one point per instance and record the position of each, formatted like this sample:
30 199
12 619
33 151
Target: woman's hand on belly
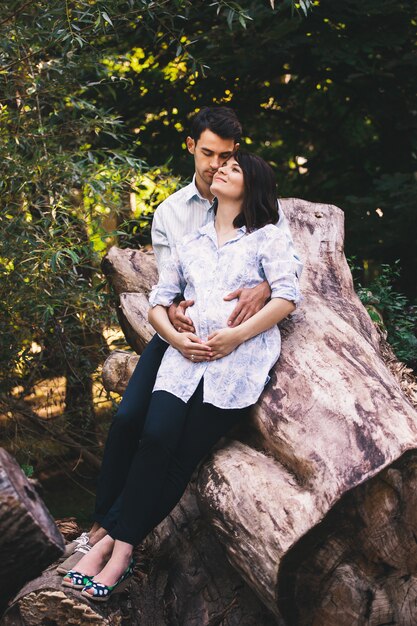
222 342
192 347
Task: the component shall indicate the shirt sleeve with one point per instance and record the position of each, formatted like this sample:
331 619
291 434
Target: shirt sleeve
160 242
280 266
171 282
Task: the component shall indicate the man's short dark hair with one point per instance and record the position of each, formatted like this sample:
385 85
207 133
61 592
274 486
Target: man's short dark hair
220 120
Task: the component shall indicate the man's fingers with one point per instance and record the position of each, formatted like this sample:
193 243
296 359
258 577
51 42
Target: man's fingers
239 319
181 317
184 304
232 296
246 317
182 327
234 314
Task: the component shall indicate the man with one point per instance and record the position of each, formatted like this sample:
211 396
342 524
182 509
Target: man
215 135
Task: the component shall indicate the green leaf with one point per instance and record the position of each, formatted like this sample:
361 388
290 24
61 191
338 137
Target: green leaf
106 17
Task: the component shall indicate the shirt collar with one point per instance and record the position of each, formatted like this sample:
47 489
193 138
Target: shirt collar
192 191
209 230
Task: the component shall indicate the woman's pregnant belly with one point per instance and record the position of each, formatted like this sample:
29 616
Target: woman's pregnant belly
210 311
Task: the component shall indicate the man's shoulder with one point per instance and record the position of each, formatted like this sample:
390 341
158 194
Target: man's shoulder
175 199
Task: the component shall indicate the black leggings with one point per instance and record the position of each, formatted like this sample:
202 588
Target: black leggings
154 444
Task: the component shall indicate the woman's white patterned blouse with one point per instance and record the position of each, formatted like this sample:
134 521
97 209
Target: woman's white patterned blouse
205 273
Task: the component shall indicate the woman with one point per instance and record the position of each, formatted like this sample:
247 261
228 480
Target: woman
207 382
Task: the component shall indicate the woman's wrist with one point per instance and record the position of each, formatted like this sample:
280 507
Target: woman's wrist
240 332
173 338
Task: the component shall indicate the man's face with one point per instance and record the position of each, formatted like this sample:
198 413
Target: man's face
210 152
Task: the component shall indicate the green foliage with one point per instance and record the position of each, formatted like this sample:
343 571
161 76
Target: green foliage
392 311
64 170
328 99
28 470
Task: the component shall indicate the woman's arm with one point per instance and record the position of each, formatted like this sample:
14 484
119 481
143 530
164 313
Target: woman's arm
190 346
224 341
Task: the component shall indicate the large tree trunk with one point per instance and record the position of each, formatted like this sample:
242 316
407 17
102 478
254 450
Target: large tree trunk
315 501
333 418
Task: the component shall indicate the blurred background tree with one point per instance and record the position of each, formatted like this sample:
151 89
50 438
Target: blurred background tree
95 101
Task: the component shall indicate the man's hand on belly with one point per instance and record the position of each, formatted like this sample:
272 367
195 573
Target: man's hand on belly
250 302
177 317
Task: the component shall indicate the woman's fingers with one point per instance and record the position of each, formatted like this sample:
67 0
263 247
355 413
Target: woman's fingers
195 349
193 337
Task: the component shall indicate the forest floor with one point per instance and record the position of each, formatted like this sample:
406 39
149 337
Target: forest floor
67 482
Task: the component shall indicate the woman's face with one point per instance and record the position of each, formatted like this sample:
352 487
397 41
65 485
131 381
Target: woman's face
228 181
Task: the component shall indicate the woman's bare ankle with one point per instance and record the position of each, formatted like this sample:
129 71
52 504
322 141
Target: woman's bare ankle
94 561
94 528
97 535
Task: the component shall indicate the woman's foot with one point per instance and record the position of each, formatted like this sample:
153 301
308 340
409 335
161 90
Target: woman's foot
115 567
94 561
98 592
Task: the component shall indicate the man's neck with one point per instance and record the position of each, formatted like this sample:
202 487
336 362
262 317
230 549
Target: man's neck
203 189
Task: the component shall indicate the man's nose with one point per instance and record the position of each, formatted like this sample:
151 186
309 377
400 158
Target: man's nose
215 163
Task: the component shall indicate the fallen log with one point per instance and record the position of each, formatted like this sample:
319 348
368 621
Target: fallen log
133 313
183 578
29 538
130 271
117 370
350 568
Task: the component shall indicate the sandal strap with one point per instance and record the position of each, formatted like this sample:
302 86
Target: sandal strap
78 578
99 589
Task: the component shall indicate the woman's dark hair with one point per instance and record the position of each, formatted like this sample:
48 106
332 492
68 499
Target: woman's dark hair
220 120
260 204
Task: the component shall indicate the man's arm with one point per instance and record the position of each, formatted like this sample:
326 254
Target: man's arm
162 250
160 243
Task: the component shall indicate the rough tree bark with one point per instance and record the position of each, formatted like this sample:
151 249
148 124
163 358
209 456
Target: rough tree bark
333 418
315 503
29 539
184 580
